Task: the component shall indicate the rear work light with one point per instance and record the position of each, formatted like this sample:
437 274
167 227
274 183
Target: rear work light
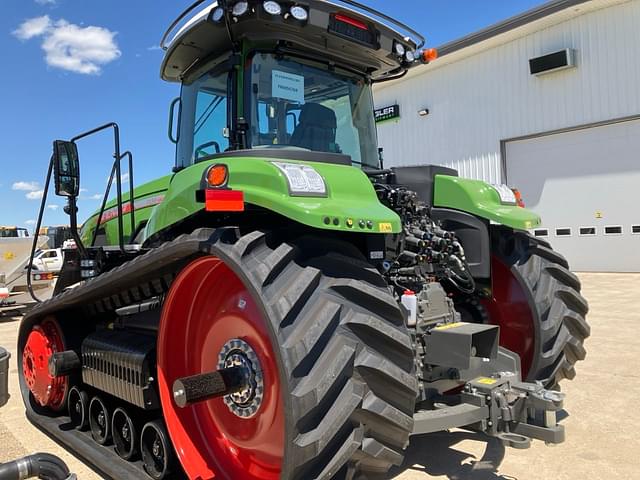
272 7
299 13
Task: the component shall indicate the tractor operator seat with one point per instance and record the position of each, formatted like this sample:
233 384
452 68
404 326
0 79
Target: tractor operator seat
316 129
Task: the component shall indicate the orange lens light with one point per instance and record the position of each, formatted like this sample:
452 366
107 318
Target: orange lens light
429 55
217 175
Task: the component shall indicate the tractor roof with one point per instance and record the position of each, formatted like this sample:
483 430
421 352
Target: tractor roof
340 31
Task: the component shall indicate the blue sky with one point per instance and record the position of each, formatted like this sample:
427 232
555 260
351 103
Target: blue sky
70 65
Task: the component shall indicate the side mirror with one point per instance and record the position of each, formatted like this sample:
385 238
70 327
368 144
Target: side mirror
66 168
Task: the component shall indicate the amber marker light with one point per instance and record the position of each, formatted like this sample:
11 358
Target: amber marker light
217 176
429 55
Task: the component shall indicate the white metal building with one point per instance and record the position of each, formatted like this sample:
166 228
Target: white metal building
568 139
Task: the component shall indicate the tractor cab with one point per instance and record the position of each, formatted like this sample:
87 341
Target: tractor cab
282 79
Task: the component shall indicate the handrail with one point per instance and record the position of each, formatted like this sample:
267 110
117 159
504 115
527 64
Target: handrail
418 39
106 196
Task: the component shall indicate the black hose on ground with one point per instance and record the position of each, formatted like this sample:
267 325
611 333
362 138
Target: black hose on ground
38 465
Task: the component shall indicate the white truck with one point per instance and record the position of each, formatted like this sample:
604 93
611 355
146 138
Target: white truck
48 261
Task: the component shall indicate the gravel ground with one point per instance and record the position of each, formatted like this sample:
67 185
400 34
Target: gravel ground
601 425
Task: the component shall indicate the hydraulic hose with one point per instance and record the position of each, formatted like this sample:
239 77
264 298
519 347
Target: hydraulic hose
38 465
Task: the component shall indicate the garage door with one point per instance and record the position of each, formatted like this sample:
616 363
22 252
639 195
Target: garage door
586 186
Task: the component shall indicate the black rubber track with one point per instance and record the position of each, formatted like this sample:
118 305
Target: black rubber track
346 357
558 308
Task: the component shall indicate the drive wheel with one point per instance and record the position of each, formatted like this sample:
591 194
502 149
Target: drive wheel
537 303
332 389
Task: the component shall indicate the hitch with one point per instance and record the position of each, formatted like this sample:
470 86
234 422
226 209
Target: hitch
500 406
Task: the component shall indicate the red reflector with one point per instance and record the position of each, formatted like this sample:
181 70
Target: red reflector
351 21
224 201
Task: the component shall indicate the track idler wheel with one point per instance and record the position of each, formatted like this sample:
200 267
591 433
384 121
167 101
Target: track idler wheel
44 341
79 408
157 452
100 421
125 434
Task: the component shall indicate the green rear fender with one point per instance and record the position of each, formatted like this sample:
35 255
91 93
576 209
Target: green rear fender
351 204
481 199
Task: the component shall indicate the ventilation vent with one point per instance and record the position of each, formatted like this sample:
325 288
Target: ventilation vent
553 62
587 231
635 229
613 230
563 232
541 232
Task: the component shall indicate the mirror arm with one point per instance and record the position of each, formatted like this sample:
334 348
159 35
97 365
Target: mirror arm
72 210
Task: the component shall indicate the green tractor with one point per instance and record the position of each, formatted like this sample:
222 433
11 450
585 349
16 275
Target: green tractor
281 305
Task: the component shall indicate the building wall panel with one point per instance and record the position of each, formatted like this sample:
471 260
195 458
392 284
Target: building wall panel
490 96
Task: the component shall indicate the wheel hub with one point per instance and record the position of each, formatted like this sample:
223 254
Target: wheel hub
246 402
43 341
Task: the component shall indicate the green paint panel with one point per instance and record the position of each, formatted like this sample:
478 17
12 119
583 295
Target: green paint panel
481 199
145 198
351 196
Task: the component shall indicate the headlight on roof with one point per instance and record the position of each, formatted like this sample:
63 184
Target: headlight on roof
507 196
303 180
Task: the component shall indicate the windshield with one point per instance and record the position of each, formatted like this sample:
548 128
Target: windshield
298 105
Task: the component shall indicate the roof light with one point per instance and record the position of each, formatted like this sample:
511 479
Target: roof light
299 13
410 56
217 14
240 8
399 49
303 180
272 8
351 21
429 55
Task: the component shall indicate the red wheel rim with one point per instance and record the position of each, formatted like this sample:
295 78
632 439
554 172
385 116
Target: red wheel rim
207 306
510 309
44 340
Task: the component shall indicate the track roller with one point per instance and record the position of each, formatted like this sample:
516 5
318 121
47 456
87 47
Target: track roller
157 452
79 408
99 421
125 434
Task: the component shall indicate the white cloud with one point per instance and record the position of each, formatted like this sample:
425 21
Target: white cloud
83 190
154 48
37 195
97 196
34 27
46 2
53 207
72 47
26 186
30 222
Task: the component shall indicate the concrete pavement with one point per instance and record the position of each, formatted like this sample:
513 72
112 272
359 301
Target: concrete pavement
602 438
